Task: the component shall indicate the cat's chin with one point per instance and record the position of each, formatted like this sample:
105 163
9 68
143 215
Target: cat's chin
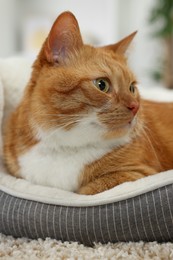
117 133
120 132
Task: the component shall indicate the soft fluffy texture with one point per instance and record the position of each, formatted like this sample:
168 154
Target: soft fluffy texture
13 86
19 248
82 114
1 111
14 73
11 248
72 96
25 190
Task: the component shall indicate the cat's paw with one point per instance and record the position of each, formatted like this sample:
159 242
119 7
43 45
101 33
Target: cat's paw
87 190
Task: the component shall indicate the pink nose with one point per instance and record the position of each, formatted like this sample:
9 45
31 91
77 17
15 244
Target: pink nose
134 107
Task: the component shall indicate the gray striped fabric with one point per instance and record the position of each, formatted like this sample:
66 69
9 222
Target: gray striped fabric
148 217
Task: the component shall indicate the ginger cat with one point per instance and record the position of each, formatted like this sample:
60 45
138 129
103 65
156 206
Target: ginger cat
81 125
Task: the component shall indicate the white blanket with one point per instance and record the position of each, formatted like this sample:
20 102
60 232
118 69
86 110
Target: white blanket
14 74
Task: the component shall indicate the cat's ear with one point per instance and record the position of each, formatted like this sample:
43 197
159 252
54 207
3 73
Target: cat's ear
63 39
122 46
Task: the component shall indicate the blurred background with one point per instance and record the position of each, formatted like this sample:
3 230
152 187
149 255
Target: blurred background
25 24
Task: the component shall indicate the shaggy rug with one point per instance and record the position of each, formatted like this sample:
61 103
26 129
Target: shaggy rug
23 248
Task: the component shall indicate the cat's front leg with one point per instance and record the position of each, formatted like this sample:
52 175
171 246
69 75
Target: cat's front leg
109 181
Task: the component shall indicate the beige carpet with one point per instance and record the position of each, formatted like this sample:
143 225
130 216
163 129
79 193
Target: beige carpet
21 249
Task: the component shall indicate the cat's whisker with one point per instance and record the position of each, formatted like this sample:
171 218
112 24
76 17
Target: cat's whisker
65 115
82 102
65 121
150 143
62 126
121 121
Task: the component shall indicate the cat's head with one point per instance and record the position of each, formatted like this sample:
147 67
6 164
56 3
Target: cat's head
80 92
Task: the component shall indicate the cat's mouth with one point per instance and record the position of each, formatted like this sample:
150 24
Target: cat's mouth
133 122
112 126
124 126
120 130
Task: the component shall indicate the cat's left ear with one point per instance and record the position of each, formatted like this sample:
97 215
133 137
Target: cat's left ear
63 39
122 46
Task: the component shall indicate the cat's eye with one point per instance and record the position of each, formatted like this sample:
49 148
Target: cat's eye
102 84
132 88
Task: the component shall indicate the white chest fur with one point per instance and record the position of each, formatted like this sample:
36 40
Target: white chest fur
57 169
59 157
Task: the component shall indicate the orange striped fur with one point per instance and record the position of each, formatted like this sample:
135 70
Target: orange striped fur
137 134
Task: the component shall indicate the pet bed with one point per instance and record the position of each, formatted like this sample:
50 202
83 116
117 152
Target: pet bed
132 211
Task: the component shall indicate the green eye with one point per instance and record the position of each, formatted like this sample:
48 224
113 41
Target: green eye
132 88
102 84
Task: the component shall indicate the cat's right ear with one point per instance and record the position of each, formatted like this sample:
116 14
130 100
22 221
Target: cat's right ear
122 46
63 39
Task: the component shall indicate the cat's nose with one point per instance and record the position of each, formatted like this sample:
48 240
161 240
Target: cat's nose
134 107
